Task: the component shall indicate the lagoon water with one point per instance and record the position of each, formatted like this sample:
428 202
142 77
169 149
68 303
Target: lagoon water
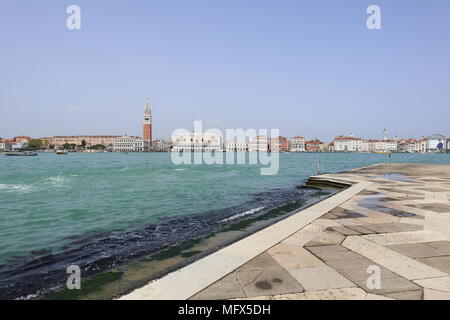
92 204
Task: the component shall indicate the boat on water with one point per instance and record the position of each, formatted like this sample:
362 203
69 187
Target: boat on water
21 154
62 152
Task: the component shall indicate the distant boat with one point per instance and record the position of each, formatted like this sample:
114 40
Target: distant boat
21 154
62 152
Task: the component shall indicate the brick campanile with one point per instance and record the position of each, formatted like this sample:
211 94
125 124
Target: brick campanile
148 123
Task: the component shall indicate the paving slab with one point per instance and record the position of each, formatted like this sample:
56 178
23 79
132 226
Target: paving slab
267 282
406 295
399 264
442 246
393 227
320 278
415 250
440 284
342 213
390 282
441 263
326 238
435 207
335 256
263 261
387 239
343 230
361 229
430 294
433 189
293 257
226 288
333 294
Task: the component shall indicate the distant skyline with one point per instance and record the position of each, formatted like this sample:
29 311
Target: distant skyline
309 68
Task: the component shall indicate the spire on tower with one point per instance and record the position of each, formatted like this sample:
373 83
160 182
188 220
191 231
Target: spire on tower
147 105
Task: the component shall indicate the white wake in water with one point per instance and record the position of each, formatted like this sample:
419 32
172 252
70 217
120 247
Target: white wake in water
243 214
21 188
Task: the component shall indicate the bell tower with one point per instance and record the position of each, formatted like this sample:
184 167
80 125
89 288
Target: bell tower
148 123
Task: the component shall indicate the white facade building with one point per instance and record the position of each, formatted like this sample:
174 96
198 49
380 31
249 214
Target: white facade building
411 146
197 142
365 145
5 146
16 146
423 145
386 146
130 144
347 144
237 146
259 144
297 144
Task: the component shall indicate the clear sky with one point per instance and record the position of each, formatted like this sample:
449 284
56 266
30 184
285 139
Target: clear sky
307 67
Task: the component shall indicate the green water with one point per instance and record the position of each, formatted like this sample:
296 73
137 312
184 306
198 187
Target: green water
48 198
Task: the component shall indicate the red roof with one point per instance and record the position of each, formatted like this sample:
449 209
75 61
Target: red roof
313 142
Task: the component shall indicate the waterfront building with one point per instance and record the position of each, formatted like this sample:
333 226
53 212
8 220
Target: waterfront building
24 140
197 142
236 146
129 144
331 147
386 146
402 145
279 144
382 145
5 145
46 142
297 144
436 143
59 141
147 124
161 145
259 144
347 144
372 145
17 146
312 145
365 145
324 147
423 145
409 145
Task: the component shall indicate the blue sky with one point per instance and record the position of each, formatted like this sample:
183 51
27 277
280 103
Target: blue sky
308 68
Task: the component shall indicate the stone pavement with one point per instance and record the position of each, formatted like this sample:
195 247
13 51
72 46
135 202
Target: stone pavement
400 224
396 226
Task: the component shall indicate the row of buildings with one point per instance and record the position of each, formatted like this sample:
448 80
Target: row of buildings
15 143
110 142
195 142
198 142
